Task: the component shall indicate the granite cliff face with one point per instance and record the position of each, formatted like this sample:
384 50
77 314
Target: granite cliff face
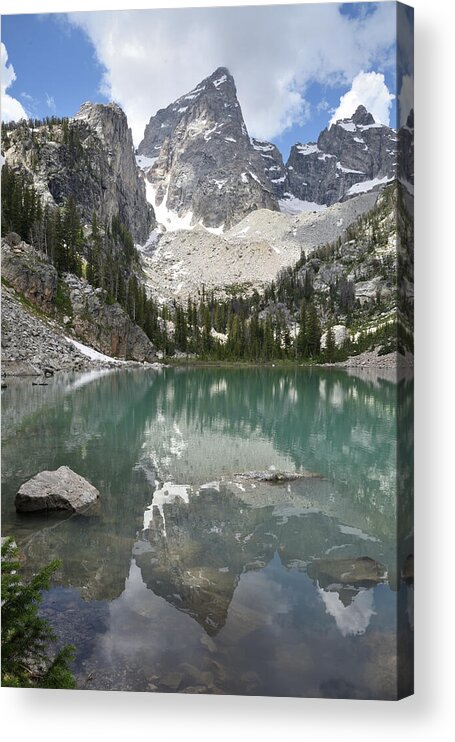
274 168
406 153
89 158
200 163
29 272
105 327
353 156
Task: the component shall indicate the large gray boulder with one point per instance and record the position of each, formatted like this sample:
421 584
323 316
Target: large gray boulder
61 489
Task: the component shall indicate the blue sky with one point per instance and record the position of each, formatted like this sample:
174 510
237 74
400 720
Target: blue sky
292 64
51 59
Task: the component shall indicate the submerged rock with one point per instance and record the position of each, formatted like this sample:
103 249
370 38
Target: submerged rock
351 571
171 681
61 489
278 476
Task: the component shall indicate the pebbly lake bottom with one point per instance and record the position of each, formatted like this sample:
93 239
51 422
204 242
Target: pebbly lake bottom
190 578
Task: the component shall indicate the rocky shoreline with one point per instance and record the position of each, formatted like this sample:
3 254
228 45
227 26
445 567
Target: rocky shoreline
390 367
372 359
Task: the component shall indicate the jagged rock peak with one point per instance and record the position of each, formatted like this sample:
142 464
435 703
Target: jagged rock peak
200 161
352 156
108 120
89 108
220 82
274 169
221 77
214 99
362 117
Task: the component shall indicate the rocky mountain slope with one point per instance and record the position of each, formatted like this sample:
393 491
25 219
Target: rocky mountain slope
32 343
89 158
352 156
53 306
245 257
361 283
199 161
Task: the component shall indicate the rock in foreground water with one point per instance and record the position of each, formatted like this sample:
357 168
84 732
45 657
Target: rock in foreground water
61 489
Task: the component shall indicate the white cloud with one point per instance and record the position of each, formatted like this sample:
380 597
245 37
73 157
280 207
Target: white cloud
323 105
12 109
368 89
273 52
50 102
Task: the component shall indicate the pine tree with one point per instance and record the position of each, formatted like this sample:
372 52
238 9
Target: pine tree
255 337
25 636
313 331
308 286
207 340
268 344
181 330
330 346
302 339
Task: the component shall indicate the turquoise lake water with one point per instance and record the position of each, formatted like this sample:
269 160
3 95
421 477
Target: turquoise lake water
191 578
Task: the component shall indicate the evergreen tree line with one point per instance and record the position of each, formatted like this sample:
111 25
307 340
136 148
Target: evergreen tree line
106 255
235 329
57 232
34 123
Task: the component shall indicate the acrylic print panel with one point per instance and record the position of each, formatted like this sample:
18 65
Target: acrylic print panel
207 316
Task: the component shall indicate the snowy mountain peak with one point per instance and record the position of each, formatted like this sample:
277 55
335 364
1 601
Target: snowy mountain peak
199 160
220 77
353 155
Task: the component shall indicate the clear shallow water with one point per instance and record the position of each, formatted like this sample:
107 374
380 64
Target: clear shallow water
190 578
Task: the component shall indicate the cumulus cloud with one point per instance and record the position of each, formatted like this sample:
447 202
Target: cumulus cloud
12 109
368 89
273 52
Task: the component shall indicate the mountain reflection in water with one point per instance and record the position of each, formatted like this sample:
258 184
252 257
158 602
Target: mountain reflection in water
192 579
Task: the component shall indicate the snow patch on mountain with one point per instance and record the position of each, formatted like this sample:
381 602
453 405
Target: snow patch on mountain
368 185
292 205
170 220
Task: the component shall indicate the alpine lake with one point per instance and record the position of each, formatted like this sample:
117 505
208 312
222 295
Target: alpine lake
188 576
